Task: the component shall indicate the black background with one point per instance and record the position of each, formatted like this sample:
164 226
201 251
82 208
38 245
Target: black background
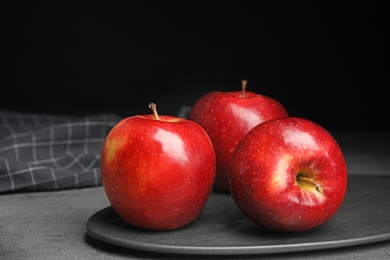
327 62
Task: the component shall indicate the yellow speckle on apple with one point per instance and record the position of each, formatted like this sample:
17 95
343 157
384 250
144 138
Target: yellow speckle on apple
113 145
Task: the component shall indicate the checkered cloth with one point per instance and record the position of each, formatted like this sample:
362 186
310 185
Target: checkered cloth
40 152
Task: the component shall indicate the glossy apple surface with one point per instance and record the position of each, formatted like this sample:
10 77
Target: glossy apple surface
288 174
227 117
158 171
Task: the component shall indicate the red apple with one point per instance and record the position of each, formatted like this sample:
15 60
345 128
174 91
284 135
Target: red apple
227 117
288 175
158 171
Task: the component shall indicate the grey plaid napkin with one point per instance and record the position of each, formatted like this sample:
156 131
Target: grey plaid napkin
41 152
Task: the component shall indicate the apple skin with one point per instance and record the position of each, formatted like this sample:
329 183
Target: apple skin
268 169
158 174
227 117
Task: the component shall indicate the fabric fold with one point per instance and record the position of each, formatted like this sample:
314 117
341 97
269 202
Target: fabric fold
43 152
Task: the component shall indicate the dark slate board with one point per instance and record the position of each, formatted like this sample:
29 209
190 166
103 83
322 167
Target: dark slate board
221 229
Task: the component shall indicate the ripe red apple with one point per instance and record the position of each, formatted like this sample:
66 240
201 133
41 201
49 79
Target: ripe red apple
227 117
158 171
288 174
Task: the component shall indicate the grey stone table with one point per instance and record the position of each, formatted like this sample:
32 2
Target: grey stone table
52 225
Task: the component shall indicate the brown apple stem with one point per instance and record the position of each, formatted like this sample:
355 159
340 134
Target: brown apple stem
310 180
243 87
152 106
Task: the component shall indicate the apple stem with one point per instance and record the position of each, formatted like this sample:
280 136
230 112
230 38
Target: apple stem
310 180
243 87
152 106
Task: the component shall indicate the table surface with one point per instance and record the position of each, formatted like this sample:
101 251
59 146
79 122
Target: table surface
52 225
